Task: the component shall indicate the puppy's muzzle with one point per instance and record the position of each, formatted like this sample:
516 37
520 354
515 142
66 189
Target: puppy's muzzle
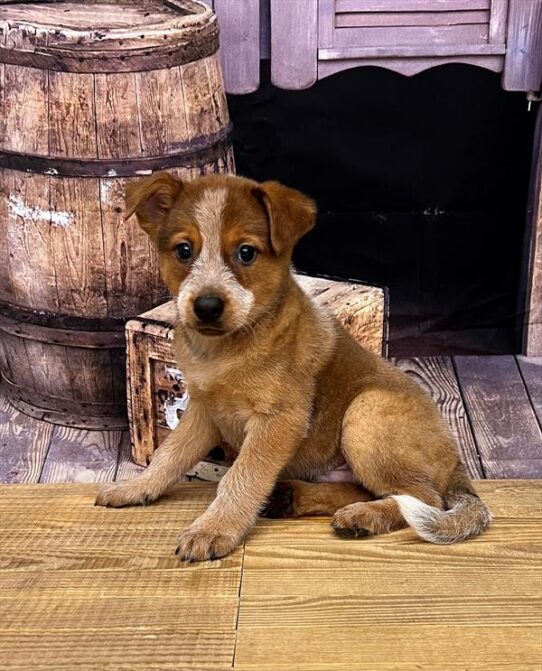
208 309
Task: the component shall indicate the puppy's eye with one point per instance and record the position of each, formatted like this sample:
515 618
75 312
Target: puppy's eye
247 254
183 251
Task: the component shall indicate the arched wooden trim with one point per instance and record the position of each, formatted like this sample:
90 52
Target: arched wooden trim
408 67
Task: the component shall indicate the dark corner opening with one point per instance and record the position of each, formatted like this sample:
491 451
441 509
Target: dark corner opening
422 187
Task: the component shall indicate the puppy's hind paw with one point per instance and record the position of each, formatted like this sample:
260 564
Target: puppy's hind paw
347 525
120 494
281 502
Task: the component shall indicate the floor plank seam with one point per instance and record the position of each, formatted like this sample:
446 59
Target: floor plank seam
239 603
119 455
469 419
38 481
528 392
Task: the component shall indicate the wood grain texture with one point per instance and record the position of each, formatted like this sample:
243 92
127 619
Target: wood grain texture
408 64
294 43
45 368
318 531
409 5
26 132
394 602
26 228
163 91
117 116
128 250
498 21
94 590
415 36
158 35
361 309
78 248
339 611
65 249
98 588
24 442
76 455
100 375
531 372
57 527
266 574
391 50
239 44
437 377
532 266
126 467
144 583
140 648
327 20
402 19
145 347
523 62
96 614
409 37
504 424
71 115
370 648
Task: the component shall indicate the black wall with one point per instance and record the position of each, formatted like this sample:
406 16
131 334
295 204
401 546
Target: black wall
421 184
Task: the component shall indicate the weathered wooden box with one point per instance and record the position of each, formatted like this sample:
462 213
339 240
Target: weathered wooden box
157 393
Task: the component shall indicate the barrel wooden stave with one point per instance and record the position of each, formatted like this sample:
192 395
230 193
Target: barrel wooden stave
70 139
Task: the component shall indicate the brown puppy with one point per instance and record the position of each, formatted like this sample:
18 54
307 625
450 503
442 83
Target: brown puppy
283 383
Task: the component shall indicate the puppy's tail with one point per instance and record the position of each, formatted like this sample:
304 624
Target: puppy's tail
466 516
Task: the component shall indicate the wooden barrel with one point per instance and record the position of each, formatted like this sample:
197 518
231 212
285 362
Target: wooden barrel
92 94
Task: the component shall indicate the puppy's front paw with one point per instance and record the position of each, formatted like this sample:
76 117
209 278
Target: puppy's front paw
199 544
120 494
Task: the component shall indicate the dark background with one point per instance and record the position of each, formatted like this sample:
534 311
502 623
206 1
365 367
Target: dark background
421 184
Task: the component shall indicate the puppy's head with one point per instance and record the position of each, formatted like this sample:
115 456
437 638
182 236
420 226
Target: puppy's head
225 244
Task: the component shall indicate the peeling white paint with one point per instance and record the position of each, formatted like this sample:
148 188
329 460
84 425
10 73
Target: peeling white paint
19 208
51 171
172 406
106 185
111 173
174 373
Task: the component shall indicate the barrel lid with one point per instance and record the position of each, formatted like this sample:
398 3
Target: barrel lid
99 36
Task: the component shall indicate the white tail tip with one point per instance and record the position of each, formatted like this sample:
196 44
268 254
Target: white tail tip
424 519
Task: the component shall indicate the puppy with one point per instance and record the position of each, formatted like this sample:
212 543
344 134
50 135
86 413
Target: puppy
283 383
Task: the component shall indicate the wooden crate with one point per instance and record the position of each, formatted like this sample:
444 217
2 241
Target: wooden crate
157 394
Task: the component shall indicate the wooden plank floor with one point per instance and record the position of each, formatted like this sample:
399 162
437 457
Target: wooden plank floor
493 404
94 588
90 588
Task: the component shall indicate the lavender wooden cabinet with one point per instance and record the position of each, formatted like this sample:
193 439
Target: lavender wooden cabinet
244 41
312 39
308 40
410 35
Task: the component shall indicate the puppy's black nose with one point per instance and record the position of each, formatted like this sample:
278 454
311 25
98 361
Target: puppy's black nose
208 308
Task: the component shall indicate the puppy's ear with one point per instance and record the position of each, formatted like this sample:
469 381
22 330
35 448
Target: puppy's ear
151 199
291 214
